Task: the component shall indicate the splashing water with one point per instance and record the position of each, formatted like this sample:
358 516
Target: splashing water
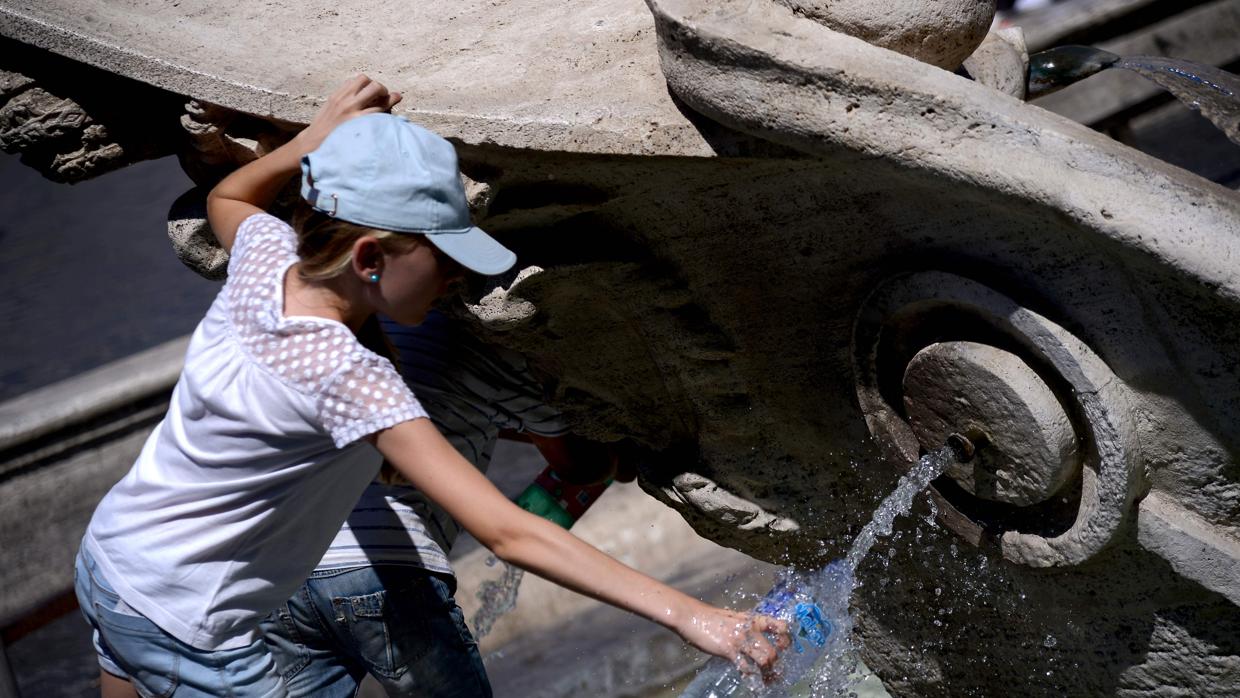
897 503
498 597
834 674
835 671
1213 92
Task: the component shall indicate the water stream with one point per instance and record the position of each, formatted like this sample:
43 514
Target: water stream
896 504
831 589
497 597
834 674
1213 92
1206 89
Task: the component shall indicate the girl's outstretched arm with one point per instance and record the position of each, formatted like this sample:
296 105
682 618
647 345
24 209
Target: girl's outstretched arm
252 188
428 461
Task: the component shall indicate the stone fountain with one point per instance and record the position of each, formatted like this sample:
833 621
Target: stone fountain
785 245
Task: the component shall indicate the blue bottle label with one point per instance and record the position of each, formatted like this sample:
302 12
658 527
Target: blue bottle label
776 599
811 626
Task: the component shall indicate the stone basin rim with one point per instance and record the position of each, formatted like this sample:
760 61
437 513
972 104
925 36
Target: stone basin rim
268 103
891 122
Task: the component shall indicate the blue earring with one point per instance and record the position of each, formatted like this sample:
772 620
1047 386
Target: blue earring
374 277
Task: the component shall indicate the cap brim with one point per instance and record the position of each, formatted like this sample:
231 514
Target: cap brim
475 250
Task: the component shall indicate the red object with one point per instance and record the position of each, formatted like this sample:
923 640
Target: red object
574 498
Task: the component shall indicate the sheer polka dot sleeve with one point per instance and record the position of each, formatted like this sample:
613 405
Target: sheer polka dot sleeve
366 398
262 233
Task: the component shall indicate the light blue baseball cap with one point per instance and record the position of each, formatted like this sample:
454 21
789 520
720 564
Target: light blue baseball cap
381 171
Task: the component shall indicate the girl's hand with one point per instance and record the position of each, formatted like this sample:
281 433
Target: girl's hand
360 95
419 452
252 188
741 638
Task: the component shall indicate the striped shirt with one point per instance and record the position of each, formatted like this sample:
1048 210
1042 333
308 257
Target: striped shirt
471 391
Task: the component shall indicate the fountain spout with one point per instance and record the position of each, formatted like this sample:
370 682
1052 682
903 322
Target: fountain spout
962 446
1213 92
1056 68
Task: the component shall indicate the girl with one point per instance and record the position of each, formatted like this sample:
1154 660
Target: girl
381 602
281 418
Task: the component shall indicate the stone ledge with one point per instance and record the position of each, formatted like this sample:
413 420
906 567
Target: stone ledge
73 402
61 448
1194 548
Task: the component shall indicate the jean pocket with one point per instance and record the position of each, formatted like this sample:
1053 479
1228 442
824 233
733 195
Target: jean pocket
285 642
118 617
389 628
146 653
366 619
101 589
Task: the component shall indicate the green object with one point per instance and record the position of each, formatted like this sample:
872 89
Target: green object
540 502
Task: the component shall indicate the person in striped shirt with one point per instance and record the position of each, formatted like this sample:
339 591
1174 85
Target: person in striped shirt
381 600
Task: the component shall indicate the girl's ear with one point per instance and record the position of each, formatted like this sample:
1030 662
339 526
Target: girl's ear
367 258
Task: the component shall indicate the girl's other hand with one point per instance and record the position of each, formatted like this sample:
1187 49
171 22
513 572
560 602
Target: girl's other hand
744 639
359 95
252 188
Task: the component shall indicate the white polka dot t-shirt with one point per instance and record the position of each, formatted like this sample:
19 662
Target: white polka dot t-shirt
360 392
263 453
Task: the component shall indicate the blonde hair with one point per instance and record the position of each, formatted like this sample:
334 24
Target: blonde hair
325 244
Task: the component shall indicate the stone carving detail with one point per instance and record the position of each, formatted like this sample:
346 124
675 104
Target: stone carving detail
1002 62
74 130
499 308
1097 530
11 83
192 238
723 507
32 119
942 33
214 152
1027 433
966 390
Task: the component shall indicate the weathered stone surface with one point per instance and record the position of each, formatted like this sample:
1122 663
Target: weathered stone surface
213 151
1026 447
1195 549
11 83
34 117
595 85
192 238
1002 62
940 33
1070 528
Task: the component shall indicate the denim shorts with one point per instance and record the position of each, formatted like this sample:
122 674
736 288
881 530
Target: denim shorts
158 665
400 624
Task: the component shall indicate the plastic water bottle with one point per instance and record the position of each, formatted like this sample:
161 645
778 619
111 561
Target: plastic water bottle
795 599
